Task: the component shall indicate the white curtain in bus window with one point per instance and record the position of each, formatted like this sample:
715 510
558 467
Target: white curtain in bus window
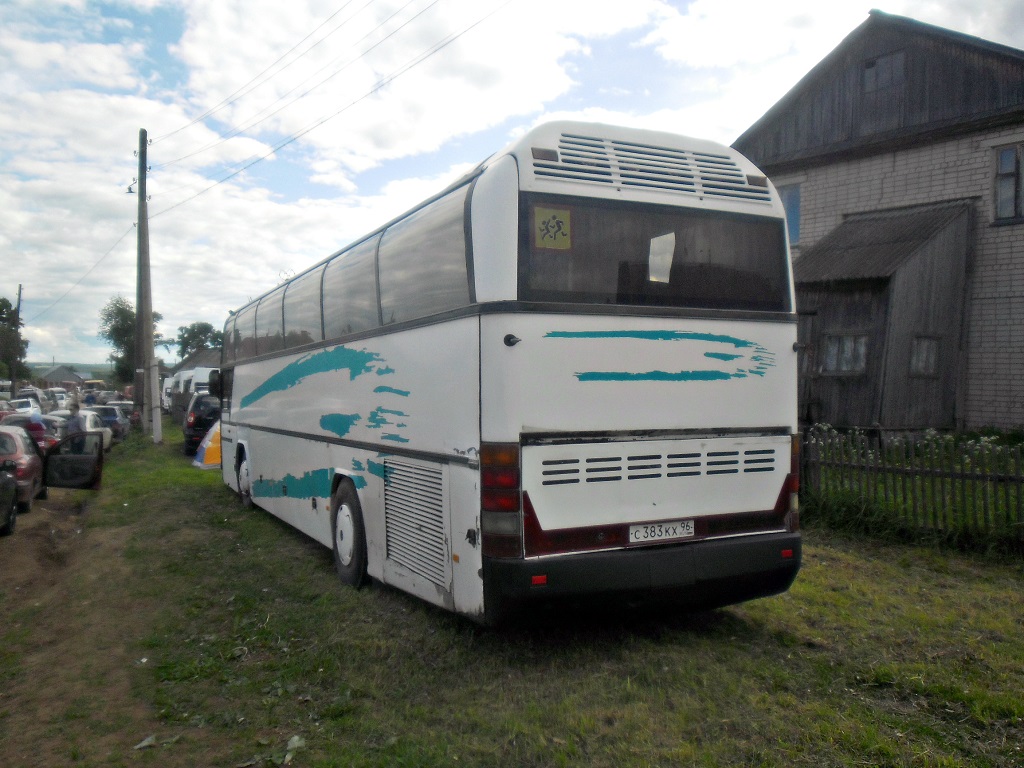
659 261
423 261
302 310
350 291
269 324
634 254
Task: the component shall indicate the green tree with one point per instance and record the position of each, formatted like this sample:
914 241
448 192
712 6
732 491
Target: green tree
197 336
117 327
13 348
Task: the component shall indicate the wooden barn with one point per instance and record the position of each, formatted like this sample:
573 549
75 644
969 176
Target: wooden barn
900 159
881 302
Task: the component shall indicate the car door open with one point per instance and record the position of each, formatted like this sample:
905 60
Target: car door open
75 462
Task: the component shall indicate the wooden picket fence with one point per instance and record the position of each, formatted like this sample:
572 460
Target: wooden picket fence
930 482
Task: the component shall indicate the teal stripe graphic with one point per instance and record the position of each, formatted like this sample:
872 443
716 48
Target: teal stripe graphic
356 361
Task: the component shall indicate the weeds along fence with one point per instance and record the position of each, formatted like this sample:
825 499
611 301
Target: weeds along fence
968 492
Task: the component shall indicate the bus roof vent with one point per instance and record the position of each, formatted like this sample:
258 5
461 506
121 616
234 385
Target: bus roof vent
592 160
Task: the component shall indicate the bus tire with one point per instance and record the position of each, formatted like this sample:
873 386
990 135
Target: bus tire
244 481
349 536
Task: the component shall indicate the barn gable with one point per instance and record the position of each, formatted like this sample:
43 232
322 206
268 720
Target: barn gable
892 82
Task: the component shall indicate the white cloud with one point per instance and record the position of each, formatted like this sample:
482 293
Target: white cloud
79 79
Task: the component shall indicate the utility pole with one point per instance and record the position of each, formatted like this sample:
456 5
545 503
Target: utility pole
146 384
17 345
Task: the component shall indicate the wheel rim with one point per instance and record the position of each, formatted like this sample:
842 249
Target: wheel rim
344 534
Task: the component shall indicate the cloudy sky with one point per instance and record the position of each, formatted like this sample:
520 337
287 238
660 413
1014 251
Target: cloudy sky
281 131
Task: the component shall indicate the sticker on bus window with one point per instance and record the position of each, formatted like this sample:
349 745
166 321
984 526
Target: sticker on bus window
552 229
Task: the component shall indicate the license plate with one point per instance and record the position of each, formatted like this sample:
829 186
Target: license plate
674 529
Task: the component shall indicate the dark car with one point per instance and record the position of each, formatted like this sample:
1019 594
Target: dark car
203 412
8 497
129 410
114 419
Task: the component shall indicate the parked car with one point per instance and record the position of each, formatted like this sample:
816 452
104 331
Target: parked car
8 497
43 429
18 446
57 425
128 409
203 411
26 405
93 423
6 407
74 462
112 418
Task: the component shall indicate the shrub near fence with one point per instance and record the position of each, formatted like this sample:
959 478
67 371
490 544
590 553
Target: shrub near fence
931 487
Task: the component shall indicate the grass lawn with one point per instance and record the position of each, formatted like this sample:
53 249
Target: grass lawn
205 634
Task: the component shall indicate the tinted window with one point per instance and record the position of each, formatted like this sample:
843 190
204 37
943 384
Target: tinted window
269 328
591 252
206 406
350 291
302 310
230 340
423 261
245 334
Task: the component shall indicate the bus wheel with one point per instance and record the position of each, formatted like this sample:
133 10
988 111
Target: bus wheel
349 536
244 483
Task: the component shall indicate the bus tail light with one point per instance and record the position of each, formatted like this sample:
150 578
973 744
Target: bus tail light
501 518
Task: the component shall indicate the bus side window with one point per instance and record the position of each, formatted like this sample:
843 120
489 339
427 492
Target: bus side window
270 323
350 291
302 322
423 261
245 328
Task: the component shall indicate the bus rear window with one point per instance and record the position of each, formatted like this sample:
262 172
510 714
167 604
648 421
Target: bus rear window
588 252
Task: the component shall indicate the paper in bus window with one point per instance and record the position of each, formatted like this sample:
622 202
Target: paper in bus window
552 228
659 261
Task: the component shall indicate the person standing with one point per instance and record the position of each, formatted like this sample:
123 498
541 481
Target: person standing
76 423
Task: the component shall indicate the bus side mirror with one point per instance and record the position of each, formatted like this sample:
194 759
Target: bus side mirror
215 388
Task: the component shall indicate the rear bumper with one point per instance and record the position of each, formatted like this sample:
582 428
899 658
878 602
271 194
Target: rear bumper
703 574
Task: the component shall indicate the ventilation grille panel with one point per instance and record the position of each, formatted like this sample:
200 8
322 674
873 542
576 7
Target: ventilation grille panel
414 517
656 466
591 160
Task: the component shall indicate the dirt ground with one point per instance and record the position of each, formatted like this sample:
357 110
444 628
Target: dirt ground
70 698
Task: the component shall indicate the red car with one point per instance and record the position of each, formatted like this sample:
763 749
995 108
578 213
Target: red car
16 445
43 429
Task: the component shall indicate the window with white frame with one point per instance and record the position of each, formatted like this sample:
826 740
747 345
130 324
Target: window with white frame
845 354
924 356
1009 185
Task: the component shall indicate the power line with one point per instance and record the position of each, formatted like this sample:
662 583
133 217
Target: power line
242 128
79 281
255 81
436 48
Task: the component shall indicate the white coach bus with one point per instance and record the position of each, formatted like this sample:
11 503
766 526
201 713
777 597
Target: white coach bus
570 374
